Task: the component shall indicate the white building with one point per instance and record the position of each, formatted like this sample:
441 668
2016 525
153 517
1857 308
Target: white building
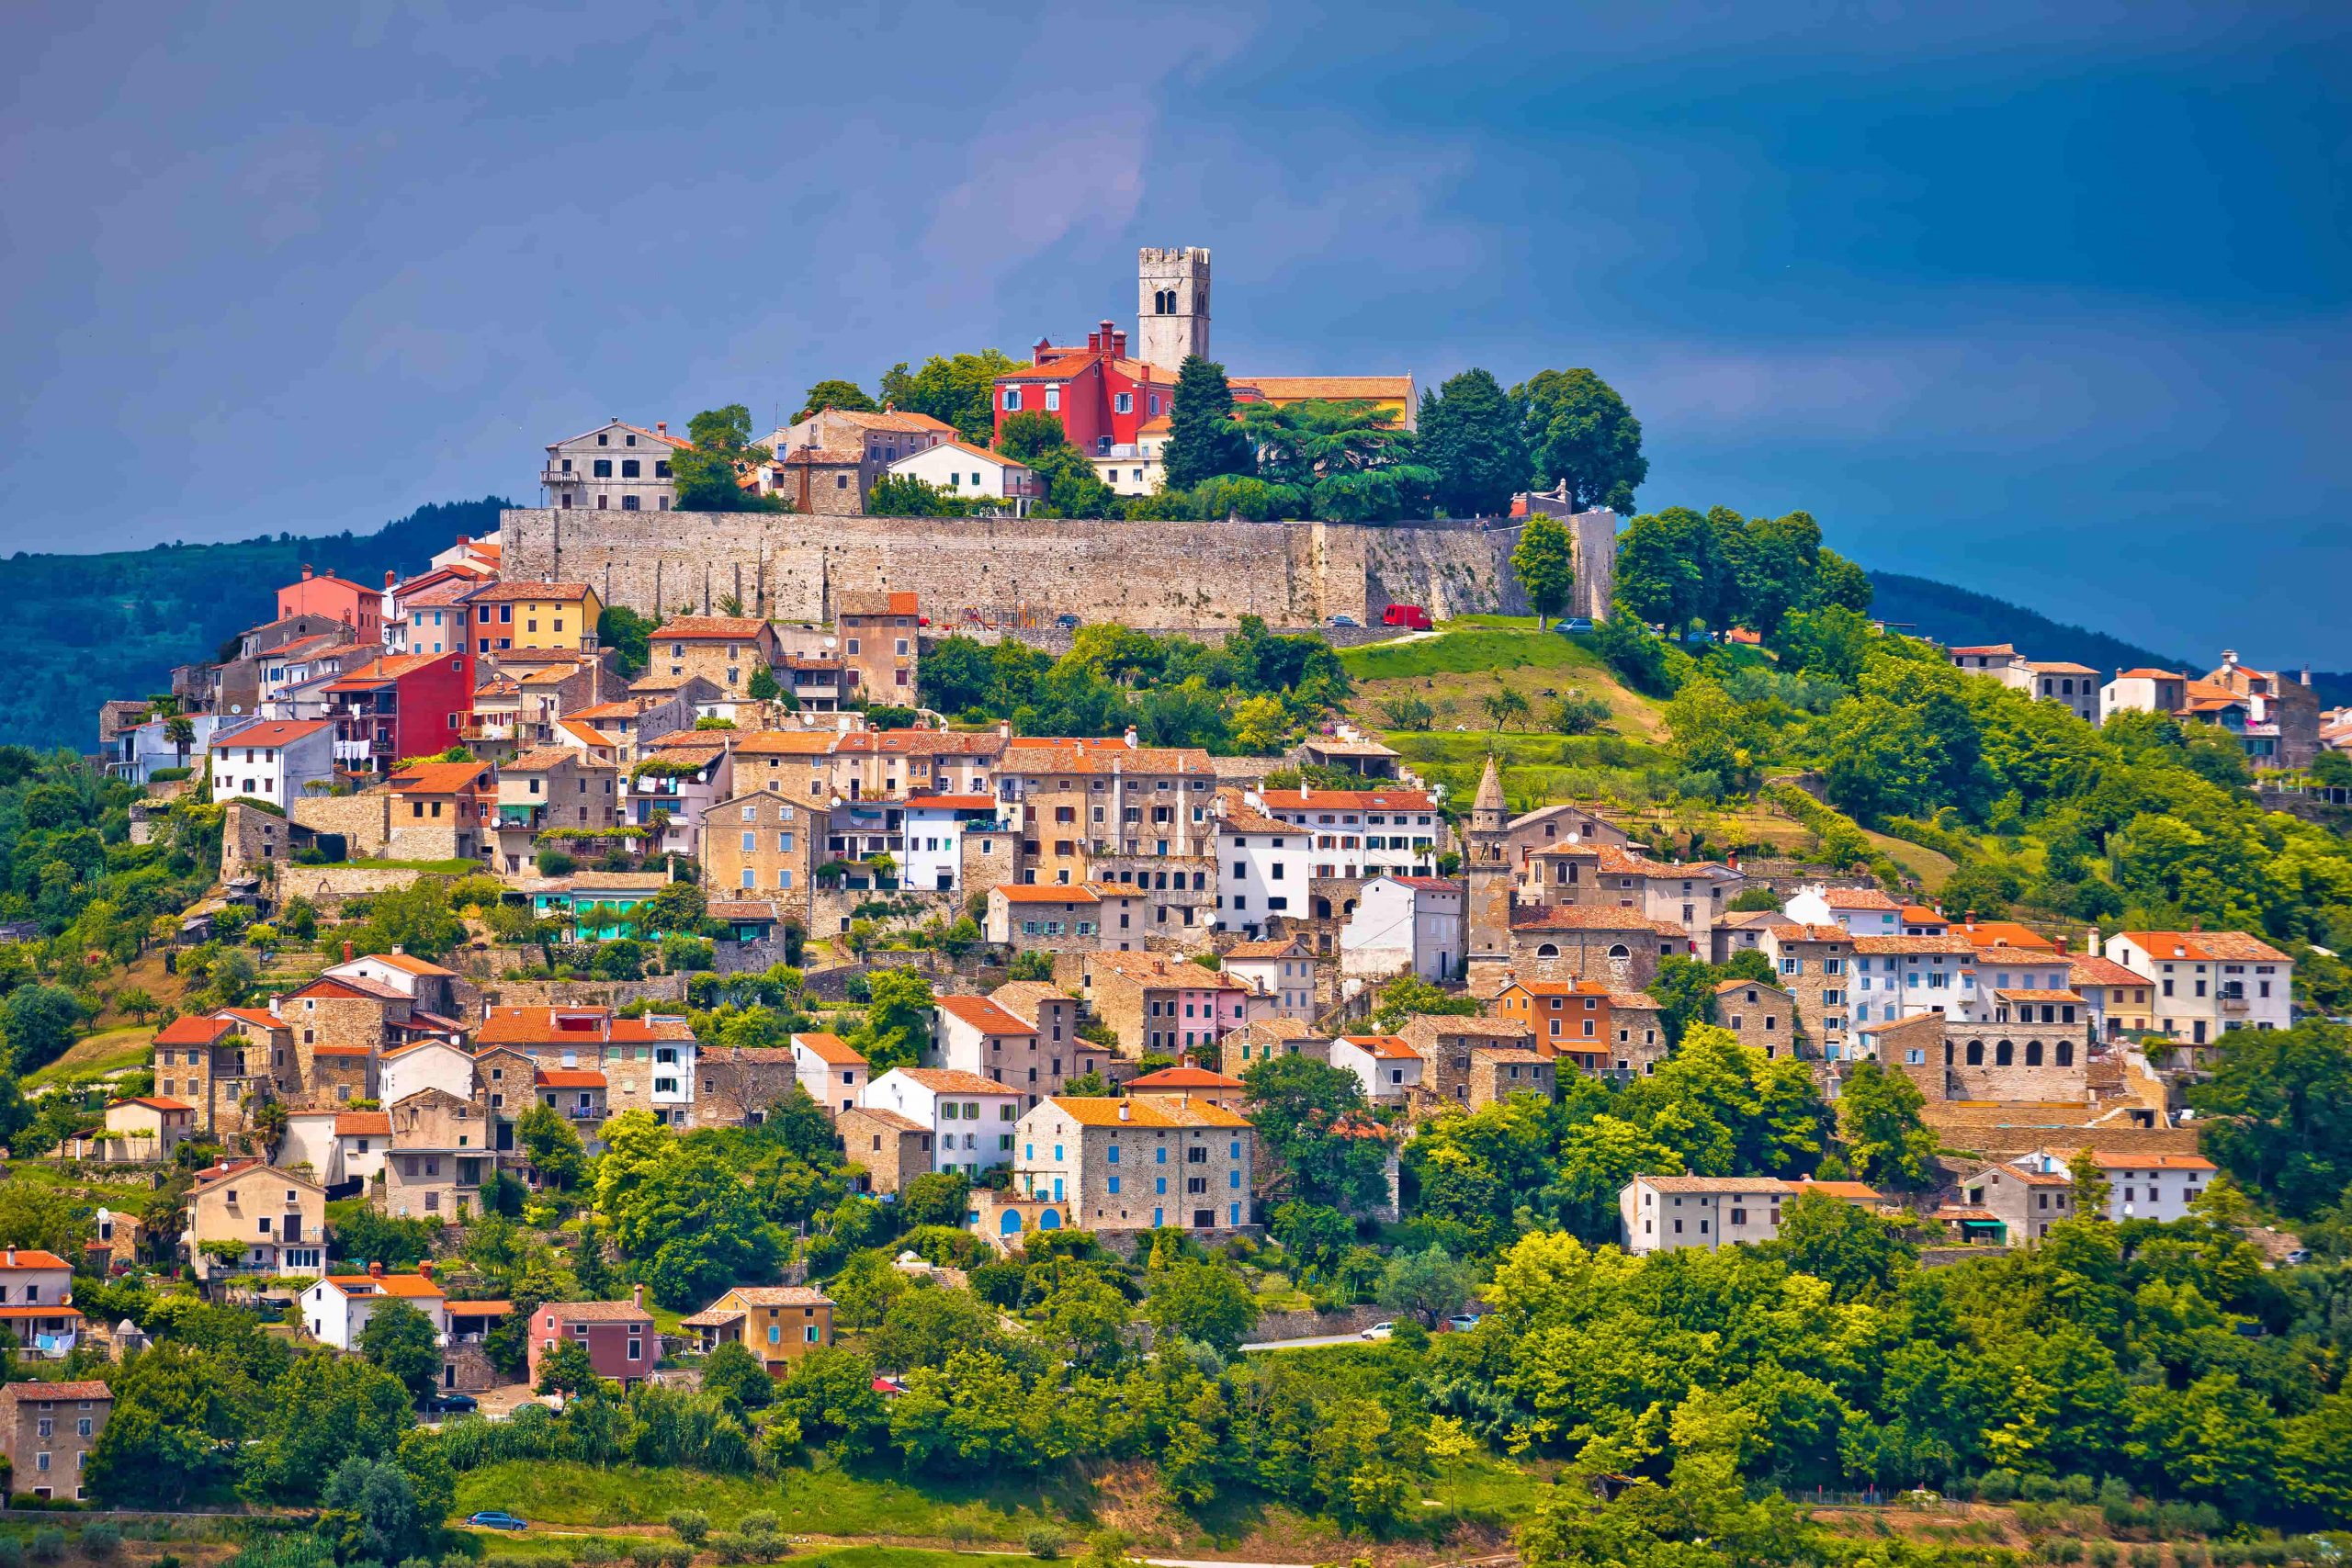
429 1063
136 753
1405 925
339 1146
275 761
2139 1187
1137 468
1263 866
338 1308
615 467
935 826
1863 911
973 473
1283 968
1666 1213
2208 983
833 1075
2144 691
1363 832
1389 1067
970 1118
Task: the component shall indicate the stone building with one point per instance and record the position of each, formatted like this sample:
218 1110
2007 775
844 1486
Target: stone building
1154 1003
47 1433
440 1153
726 650
1761 1013
880 632
1137 1164
778 1324
1567 942
1814 964
616 467
762 843
1600 1028
892 1149
279 1217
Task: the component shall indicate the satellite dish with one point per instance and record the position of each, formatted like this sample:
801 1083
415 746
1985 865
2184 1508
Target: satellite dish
236 707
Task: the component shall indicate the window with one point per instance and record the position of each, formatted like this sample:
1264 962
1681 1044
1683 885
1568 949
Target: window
1012 399
1053 398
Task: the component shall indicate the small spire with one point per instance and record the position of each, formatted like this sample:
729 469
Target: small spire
1490 788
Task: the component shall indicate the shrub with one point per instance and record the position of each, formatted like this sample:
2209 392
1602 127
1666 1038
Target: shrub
2061 1548
48 1544
593 1551
732 1548
2146 1557
1044 1542
690 1525
2102 1553
101 1540
1997 1486
12 1552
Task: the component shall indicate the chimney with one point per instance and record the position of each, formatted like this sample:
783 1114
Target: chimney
1970 922
398 949
464 539
424 1266
375 1271
2090 940
305 572
12 1258
1131 737
1103 334
390 577
1039 352
1118 345
637 1296
2062 945
346 952
661 427
2195 926
2229 658
1123 1116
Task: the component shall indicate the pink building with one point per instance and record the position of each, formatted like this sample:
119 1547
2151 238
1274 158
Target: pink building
361 609
619 1336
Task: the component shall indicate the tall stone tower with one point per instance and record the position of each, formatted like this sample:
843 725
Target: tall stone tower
1487 863
1172 305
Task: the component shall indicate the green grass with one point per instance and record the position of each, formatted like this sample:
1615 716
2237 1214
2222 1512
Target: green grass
1473 651
814 1502
1537 768
444 867
94 1057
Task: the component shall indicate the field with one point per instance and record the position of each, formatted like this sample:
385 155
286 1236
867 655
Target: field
96 1055
832 1501
1474 658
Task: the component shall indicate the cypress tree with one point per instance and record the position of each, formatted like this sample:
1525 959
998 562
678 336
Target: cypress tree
1203 440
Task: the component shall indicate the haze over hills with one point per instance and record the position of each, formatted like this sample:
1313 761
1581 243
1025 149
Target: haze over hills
82 628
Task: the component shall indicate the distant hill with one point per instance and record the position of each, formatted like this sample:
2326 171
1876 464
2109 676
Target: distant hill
1957 618
75 630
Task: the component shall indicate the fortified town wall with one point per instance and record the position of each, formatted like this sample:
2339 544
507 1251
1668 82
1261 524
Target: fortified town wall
795 567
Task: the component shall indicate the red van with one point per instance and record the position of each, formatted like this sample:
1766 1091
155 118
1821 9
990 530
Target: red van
1410 615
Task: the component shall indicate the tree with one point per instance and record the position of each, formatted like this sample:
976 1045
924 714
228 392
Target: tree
2092 1189
2277 1113
400 1340
1409 996
960 391
41 1020
707 473
1073 488
565 1367
1580 432
1202 1302
326 1409
846 395
371 1513
1545 565
1311 1117
1662 560
1429 1284
179 1417
693 1225
762 687
1855 1252
1202 439
1088 1317
737 1376
898 1021
1878 1120
1471 435
904 495
936 1198
180 731
628 634
1716 735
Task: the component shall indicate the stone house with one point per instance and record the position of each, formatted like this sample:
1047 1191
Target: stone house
1592 874
726 650
648 1063
739 1083
1668 1213
1138 1164
47 1433
1498 1072
880 632
907 764
1051 1013
1572 942
619 1336
1064 918
1256 1042
278 1216
616 466
1446 1045
892 1149
977 1034
1812 963
1600 1028
429 987
1761 1013
443 810
1548 825
549 787
577 1094
779 1323
2026 1200
1070 800
1156 1003
440 1153
212 1063
762 844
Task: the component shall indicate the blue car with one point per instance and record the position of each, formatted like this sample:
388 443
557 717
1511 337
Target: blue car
492 1520
1574 625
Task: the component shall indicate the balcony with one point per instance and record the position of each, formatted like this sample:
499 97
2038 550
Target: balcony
558 478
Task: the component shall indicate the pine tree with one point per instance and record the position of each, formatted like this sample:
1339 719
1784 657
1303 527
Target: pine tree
1203 440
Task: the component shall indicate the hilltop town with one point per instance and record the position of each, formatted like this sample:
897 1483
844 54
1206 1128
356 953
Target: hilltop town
1131 935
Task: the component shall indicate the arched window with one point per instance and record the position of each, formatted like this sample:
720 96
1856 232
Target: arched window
1549 950
2065 1053
2005 1054
2033 1052
1976 1053
1617 950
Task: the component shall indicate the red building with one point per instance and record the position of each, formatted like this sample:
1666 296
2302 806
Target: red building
619 1336
410 705
1102 396
361 609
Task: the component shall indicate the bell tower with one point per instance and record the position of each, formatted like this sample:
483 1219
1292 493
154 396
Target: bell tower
1485 862
1172 305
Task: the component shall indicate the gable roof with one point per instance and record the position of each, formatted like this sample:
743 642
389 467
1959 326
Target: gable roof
2205 946
1183 1078
194 1028
516 591
829 1048
1091 1111
437 778
709 628
276 732
983 1014
1387 1047
951 1080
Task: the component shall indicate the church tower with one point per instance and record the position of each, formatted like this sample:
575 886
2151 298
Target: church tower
1487 863
1172 305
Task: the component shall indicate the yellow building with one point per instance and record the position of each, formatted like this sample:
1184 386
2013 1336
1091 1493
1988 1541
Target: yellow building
504 615
1392 393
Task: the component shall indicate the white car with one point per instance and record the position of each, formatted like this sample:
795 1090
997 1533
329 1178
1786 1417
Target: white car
1380 1331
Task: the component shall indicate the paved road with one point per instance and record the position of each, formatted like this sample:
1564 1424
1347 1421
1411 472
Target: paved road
1307 1342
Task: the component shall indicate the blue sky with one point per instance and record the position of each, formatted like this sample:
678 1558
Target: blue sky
2052 306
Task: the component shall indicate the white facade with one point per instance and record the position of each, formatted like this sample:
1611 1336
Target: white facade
1666 1213
1387 1067
1404 925
413 1069
2139 1187
833 1075
970 1118
333 1144
970 473
1288 978
1262 869
935 825
2208 983
338 1308
273 763
136 753
1861 911
615 467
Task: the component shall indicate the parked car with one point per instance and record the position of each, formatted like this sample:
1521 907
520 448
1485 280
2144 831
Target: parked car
1463 1322
494 1520
1574 625
1065 621
1380 1331
451 1405
1345 620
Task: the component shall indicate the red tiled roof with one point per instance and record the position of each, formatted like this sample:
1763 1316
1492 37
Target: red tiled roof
515 592
829 1048
74 1391
194 1028
1183 1078
363 1125
709 628
413 1286
437 778
1386 1047
568 1077
277 732
31 1258
1348 800
951 1081
982 1014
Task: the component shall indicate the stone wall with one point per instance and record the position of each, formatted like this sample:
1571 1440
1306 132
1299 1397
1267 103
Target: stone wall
329 886
250 839
1176 575
364 821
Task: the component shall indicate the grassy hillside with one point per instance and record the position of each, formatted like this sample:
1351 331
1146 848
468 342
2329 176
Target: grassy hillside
79 629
